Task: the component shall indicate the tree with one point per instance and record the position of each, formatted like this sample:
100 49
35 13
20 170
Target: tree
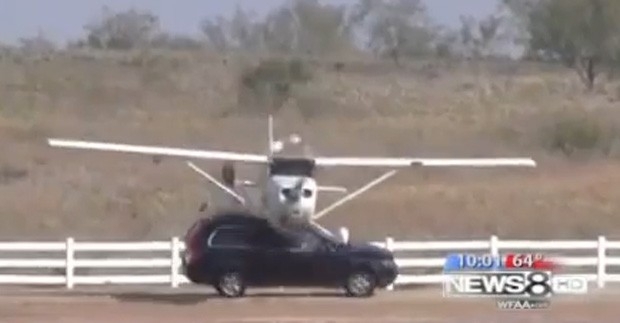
216 33
582 34
240 32
278 31
480 38
122 30
395 27
244 30
39 44
303 26
320 28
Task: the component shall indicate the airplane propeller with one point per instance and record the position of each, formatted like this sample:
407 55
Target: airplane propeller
228 174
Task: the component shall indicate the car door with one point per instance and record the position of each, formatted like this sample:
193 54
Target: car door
329 265
299 264
308 260
325 262
231 247
273 257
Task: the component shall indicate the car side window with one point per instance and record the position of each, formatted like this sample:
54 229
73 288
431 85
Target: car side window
231 237
270 238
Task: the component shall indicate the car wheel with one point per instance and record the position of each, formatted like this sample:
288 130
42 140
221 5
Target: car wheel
230 284
361 284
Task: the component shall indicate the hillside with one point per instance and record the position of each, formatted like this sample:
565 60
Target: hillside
362 107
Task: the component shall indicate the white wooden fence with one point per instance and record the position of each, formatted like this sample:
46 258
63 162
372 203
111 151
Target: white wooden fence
64 269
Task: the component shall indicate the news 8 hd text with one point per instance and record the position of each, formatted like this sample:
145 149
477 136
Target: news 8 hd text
512 284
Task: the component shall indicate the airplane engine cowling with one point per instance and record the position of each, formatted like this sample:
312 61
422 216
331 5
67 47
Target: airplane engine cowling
290 200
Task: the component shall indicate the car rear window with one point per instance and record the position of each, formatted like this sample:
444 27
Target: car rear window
231 236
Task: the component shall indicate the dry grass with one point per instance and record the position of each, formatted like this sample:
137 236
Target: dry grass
368 108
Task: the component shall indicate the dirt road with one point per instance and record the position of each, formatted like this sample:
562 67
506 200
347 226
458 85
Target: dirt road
152 305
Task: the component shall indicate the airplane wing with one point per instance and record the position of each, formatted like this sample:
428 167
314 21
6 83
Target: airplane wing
158 150
431 162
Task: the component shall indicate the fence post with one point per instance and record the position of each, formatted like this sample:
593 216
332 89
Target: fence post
389 245
602 263
69 262
175 262
494 246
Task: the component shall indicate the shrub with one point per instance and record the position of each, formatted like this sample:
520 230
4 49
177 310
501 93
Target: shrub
271 83
10 174
573 132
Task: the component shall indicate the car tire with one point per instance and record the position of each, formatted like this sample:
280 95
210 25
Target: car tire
230 284
361 284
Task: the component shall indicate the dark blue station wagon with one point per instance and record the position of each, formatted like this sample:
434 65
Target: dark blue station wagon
234 251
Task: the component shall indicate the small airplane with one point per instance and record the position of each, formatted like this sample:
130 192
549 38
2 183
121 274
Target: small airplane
288 186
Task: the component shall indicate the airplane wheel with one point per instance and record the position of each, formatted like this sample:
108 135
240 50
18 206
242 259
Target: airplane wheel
361 284
231 285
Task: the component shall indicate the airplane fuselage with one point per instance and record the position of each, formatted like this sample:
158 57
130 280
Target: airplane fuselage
290 191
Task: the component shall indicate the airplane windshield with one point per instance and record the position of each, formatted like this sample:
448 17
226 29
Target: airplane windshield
294 167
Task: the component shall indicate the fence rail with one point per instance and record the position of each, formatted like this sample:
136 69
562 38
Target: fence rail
65 269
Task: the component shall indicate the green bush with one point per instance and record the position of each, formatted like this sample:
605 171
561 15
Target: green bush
570 133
